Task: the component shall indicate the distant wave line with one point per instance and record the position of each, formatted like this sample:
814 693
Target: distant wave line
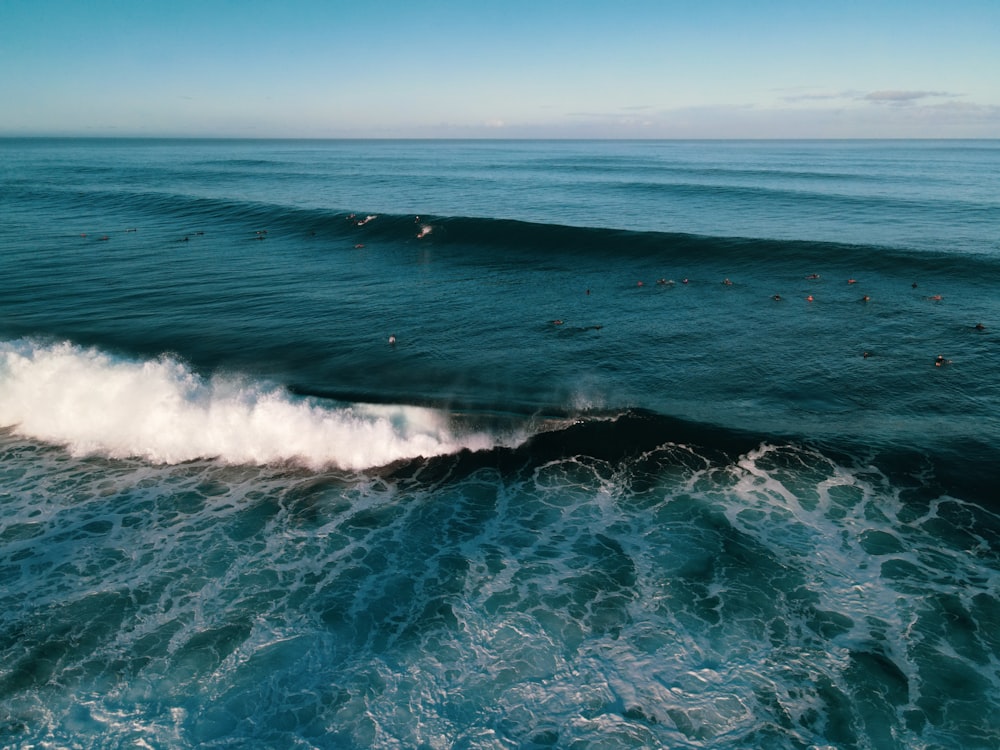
517 236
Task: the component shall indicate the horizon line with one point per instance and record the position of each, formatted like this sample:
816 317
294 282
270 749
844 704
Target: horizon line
95 137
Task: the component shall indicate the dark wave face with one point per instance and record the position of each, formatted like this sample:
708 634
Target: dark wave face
499 444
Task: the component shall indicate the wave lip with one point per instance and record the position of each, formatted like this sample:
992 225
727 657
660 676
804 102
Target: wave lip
94 403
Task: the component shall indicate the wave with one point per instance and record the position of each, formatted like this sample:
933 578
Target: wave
95 403
159 410
523 238
642 445
544 240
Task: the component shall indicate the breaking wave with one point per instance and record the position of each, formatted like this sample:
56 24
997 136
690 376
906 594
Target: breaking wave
160 410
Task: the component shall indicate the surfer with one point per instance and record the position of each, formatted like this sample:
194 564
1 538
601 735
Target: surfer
776 298
727 282
852 281
809 298
941 361
392 339
979 327
813 276
865 298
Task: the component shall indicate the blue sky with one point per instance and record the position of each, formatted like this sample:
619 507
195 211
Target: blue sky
501 69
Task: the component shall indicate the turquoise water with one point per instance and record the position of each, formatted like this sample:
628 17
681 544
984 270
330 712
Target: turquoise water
591 496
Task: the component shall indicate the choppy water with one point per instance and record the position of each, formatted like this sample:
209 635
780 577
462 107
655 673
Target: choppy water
591 496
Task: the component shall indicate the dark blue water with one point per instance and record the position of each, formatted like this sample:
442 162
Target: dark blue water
658 454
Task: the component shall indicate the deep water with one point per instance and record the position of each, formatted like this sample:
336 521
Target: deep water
658 453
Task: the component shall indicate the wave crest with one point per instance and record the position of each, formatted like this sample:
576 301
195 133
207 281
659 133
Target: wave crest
94 403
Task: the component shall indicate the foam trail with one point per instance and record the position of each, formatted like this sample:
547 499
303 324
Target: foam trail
94 403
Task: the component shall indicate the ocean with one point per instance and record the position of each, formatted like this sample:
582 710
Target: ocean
499 444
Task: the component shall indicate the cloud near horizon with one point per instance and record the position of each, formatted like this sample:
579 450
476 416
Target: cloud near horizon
900 97
882 96
820 97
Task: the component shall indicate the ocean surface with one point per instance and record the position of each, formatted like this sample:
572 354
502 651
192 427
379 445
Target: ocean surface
499 444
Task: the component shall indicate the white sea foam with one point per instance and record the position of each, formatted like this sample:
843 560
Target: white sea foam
95 403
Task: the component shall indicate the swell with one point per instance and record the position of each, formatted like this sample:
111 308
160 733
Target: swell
481 238
542 240
160 206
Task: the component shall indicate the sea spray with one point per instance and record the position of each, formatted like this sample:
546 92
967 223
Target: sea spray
95 403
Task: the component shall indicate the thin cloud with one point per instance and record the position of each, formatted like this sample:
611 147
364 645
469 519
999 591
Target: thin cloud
823 97
621 112
892 96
